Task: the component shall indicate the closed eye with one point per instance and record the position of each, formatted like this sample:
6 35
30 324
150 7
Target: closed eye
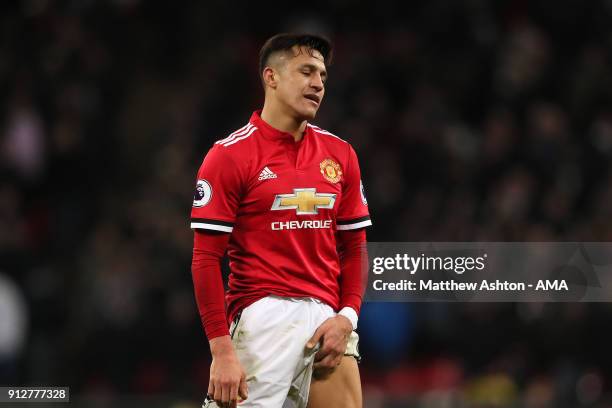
308 70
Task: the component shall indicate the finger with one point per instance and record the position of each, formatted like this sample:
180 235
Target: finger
324 363
243 389
327 362
327 348
217 392
315 338
233 392
225 394
334 359
211 388
334 348
323 352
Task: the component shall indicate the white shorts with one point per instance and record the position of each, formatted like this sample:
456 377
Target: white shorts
270 340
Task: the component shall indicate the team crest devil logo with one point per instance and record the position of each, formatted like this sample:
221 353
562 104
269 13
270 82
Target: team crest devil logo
331 170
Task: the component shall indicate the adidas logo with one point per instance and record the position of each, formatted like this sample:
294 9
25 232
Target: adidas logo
266 173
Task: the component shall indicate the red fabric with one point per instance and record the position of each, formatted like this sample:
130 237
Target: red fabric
353 255
246 185
208 249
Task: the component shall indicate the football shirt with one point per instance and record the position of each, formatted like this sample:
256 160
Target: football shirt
282 202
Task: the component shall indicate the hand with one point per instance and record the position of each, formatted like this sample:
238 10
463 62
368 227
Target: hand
334 334
227 378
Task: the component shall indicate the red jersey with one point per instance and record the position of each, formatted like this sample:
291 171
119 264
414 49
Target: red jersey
282 202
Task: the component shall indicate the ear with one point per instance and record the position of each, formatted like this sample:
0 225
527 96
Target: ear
270 77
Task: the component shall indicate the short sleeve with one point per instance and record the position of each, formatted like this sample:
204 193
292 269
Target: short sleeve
217 192
353 212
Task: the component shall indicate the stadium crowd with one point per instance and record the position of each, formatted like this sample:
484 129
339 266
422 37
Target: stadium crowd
473 120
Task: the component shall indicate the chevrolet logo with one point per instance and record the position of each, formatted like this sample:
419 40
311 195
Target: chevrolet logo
304 201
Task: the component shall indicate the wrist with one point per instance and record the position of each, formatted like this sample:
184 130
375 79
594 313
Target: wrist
221 346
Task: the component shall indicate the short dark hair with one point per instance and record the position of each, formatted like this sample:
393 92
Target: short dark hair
286 41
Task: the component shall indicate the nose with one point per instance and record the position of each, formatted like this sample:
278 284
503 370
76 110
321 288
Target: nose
317 82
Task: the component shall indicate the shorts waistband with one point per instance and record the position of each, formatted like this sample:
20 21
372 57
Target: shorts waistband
298 299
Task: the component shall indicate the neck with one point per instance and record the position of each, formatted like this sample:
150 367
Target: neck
274 115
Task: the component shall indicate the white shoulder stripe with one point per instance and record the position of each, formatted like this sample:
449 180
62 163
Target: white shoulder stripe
325 132
235 134
250 132
238 132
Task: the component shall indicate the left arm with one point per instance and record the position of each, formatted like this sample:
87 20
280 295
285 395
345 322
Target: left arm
353 255
352 217
335 331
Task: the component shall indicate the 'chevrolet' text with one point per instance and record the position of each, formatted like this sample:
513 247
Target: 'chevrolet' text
290 225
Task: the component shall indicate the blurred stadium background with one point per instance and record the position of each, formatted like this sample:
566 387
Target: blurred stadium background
473 120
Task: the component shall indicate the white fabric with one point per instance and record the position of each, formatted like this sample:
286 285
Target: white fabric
270 341
350 314
222 228
346 227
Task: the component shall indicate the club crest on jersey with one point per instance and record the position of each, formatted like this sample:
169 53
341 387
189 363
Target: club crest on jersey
331 170
304 201
203 193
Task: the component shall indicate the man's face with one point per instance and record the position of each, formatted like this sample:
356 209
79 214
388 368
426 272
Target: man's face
301 81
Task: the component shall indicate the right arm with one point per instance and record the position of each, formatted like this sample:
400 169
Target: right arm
216 199
227 378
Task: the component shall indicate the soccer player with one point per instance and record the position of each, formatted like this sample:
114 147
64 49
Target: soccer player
285 198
